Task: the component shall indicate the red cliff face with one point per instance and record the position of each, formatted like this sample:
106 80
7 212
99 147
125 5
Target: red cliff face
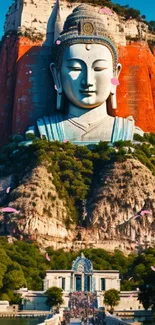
8 58
26 88
136 93
24 106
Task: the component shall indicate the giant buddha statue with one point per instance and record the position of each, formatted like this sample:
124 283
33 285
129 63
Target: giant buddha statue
84 67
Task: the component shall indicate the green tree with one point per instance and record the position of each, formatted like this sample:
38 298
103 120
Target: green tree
145 296
3 269
4 258
131 12
112 298
54 296
14 280
14 297
4 296
152 25
139 270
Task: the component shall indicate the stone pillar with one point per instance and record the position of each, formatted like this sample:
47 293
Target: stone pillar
82 281
90 283
72 282
93 283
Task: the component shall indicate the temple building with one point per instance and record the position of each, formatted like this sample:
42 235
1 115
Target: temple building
82 277
86 281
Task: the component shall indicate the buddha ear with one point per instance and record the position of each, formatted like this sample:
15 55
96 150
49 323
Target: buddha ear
118 70
57 85
112 100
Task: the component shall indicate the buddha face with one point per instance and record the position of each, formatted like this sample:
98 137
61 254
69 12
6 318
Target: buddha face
86 73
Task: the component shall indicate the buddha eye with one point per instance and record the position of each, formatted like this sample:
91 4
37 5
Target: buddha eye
99 69
75 68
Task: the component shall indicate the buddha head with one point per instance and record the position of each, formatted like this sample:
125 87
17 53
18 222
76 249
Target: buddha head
85 61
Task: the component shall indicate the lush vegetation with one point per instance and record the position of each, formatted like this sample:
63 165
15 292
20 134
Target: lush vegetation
54 296
75 168
22 265
112 298
146 271
145 152
152 26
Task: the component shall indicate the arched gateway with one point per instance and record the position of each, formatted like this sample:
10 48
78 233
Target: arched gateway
82 276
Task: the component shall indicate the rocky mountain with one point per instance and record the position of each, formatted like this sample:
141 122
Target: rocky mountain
42 214
119 192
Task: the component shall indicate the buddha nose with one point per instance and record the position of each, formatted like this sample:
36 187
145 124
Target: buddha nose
87 81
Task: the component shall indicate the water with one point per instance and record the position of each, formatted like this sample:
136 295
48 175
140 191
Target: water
137 320
21 321
34 321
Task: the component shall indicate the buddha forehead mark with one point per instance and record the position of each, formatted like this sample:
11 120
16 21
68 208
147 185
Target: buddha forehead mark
88 47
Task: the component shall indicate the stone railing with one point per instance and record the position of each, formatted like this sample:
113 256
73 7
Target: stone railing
55 320
112 320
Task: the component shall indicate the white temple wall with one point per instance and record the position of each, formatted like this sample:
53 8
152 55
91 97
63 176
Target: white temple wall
111 280
35 302
129 302
65 300
55 279
67 283
4 305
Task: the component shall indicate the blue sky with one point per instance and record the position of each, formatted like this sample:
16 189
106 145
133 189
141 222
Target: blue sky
4 5
146 7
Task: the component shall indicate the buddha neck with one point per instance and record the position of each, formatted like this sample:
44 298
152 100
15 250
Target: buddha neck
88 115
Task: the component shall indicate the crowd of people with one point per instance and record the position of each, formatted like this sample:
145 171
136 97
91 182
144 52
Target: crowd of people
82 304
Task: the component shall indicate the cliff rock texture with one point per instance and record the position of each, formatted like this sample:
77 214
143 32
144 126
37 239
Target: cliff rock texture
26 86
124 190
42 214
